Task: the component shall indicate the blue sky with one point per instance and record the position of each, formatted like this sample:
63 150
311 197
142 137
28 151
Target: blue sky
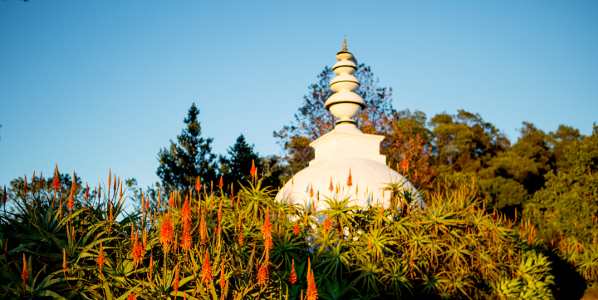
93 85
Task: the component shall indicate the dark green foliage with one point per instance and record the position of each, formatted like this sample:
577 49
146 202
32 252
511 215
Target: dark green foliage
235 166
191 156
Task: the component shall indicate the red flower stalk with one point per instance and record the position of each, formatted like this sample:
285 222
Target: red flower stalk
70 204
206 269
312 290
166 232
349 179
330 185
253 170
203 229
186 238
311 191
327 225
24 271
137 250
296 229
197 184
171 200
176 281
222 280
132 296
150 272
267 232
221 182
404 165
56 180
100 260
186 211
293 275
263 274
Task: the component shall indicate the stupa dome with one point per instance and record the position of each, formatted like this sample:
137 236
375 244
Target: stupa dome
347 162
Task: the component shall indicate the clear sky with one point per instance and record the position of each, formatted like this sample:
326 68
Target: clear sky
99 84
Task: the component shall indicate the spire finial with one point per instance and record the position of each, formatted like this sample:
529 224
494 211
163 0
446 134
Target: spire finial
345 46
344 103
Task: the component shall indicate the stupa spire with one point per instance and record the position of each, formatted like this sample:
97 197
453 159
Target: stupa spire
345 47
344 103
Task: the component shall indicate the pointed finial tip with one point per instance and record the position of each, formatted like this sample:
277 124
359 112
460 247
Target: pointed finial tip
345 46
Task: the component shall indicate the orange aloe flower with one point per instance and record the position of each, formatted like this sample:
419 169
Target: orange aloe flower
206 269
312 290
186 238
404 165
296 229
100 259
222 281
221 182
71 201
150 271
203 228
56 179
253 170
267 232
327 225
166 232
132 296
293 275
171 200
197 184
186 211
137 250
24 271
262 274
330 185
176 281
349 179
70 204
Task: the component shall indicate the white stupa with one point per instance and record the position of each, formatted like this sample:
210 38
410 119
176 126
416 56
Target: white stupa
347 162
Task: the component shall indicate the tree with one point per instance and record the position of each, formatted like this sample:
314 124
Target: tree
190 157
236 165
465 142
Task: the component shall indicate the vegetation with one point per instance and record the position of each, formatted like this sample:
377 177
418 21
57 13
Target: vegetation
198 244
503 220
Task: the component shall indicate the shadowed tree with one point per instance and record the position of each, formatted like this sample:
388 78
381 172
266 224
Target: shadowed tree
235 166
189 157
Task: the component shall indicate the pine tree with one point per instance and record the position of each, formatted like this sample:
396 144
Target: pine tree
236 165
191 156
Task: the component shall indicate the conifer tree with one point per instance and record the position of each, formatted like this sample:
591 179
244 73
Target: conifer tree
189 157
